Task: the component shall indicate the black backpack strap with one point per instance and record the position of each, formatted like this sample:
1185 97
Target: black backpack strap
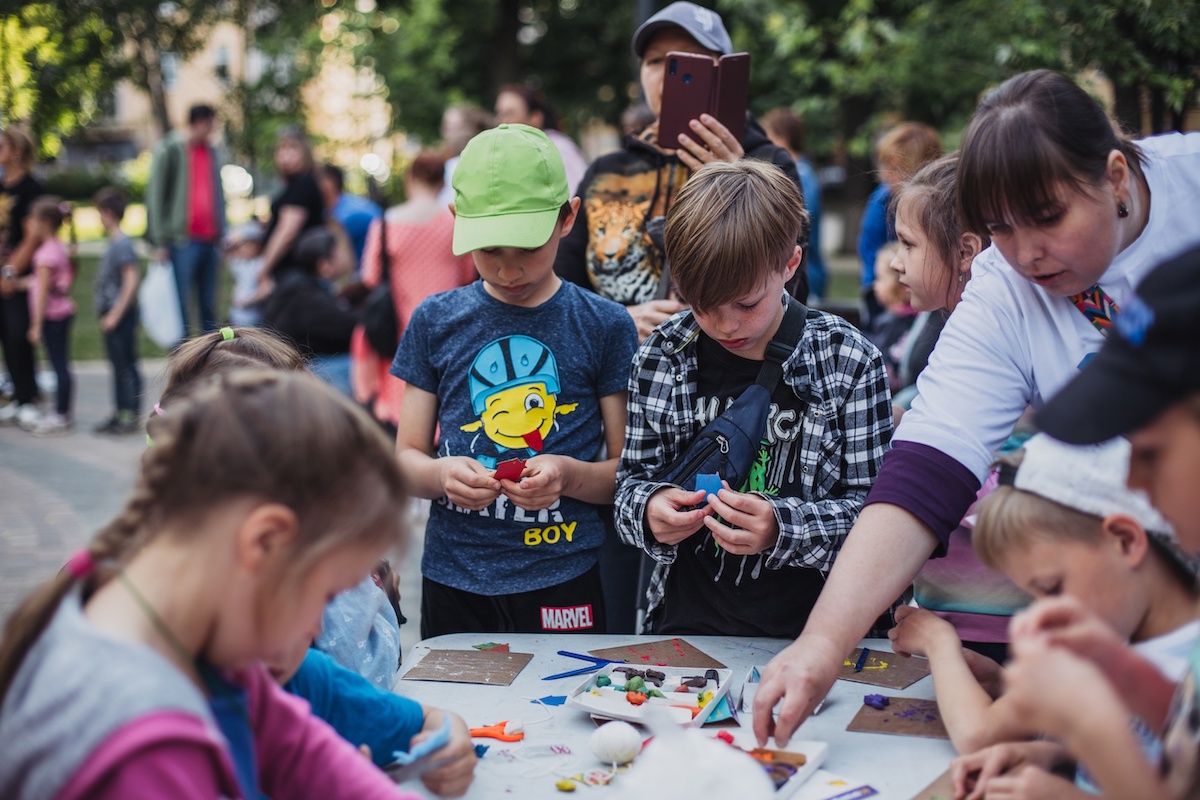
783 343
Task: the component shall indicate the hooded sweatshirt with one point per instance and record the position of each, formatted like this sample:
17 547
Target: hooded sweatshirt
610 250
89 715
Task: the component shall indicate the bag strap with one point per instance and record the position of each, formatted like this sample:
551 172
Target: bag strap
783 343
385 258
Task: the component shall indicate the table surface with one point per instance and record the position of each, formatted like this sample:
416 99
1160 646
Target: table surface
897 766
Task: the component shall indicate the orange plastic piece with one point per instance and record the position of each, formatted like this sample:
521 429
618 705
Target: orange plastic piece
497 732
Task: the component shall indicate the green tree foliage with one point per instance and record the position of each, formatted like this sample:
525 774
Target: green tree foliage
56 63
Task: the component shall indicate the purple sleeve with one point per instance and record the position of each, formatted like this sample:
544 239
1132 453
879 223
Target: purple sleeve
928 484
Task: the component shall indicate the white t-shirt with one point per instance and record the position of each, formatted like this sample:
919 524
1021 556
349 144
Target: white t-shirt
1010 344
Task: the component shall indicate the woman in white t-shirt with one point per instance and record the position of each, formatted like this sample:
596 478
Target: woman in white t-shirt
1070 205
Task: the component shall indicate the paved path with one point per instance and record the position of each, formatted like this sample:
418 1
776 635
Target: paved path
56 492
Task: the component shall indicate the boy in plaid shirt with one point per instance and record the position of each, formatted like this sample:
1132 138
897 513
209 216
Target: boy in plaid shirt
749 560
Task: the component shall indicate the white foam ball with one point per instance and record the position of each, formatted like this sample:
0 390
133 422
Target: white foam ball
616 742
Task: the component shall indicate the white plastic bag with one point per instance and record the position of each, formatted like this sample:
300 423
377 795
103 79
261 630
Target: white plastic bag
159 302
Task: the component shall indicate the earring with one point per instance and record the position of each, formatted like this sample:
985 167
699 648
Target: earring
962 278
1122 209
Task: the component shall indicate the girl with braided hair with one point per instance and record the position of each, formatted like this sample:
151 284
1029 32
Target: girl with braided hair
137 671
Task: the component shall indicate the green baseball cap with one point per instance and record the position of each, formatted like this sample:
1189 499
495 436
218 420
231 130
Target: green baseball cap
508 188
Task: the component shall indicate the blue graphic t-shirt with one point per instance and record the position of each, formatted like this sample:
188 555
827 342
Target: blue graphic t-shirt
511 383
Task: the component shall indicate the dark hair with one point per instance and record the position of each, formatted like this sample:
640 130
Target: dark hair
931 197
112 200
20 140
52 210
200 112
312 247
1030 135
788 126
428 168
213 354
275 437
731 226
534 101
334 174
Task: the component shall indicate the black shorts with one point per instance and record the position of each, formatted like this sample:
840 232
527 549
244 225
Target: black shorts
576 606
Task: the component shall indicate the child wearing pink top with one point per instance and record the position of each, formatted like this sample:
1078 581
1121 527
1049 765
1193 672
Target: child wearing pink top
51 309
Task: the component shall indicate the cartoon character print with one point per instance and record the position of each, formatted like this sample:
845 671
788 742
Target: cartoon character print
514 390
623 263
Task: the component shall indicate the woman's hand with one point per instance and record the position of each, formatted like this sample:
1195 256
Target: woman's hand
712 141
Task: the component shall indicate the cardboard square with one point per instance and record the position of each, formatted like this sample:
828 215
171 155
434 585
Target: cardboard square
510 470
663 653
490 667
942 788
903 716
885 669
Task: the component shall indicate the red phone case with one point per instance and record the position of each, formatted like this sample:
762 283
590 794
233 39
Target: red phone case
694 85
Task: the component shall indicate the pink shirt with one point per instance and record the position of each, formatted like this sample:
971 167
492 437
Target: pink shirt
52 255
177 755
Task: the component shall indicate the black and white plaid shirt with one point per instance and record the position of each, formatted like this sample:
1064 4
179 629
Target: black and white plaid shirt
842 393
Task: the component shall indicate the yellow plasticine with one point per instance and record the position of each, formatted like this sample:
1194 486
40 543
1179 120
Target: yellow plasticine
565 786
704 698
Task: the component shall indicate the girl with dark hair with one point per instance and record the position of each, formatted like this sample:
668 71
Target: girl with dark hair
1078 215
518 103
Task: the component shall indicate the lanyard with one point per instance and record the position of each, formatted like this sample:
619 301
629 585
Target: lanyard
1098 307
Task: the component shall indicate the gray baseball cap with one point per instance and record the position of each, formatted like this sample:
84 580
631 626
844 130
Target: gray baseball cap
702 24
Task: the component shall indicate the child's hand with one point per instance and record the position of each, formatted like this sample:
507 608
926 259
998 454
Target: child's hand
753 515
467 482
1033 783
454 776
669 515
1065 622
34 335
917 630
973 773
712 142
541 483
1048 686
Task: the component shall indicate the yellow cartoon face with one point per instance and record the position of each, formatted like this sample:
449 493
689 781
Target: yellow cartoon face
520 416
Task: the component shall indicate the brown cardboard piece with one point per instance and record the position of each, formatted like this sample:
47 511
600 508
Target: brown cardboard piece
664 652
491 667
885 669
903 716
942 788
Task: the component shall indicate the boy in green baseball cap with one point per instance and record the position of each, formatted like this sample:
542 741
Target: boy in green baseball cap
515 388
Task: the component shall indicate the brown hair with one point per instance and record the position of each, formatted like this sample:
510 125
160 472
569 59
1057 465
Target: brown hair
1030 135
534 101
907 147
788 126
1009 517
273 436
930 200
112 200
212 353
294 133
428 168
52 210
23 148
731 226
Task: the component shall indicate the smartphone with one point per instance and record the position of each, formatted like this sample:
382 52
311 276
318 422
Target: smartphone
694 84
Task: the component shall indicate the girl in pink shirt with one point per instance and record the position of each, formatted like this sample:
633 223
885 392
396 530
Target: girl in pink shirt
51 309
138 670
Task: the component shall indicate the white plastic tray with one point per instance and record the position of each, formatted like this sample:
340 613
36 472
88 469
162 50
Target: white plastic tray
611 703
